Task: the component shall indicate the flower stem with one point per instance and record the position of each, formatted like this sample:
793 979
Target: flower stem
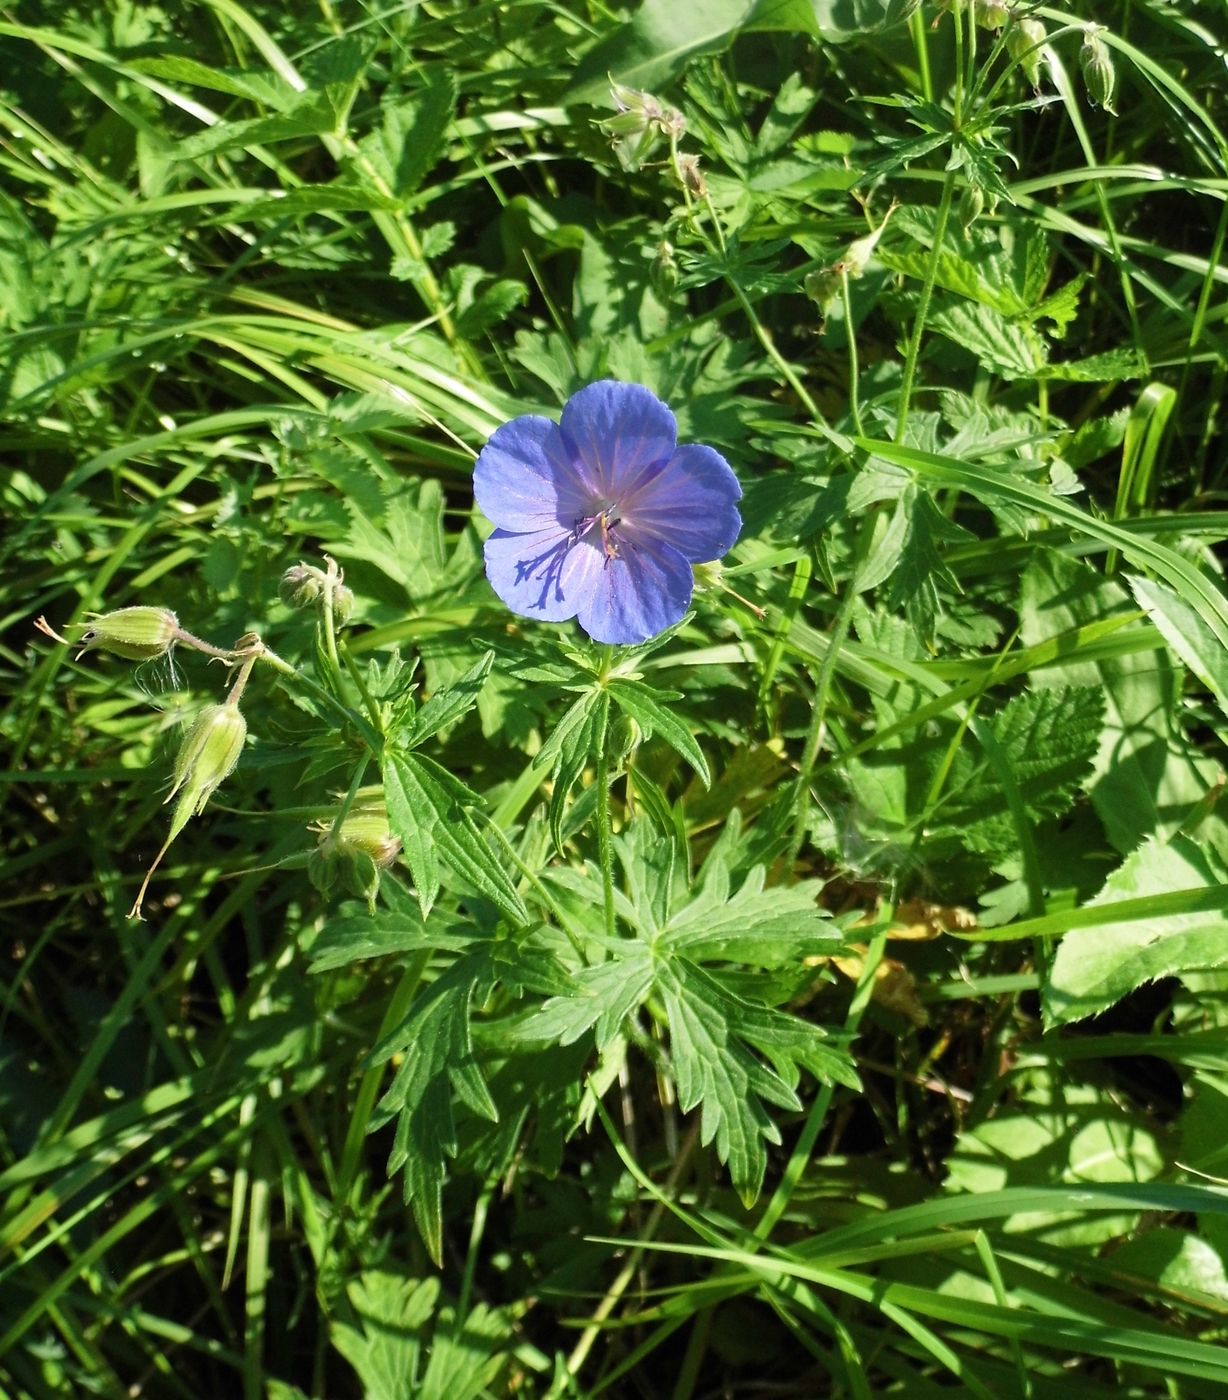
854 369
923 306
605 843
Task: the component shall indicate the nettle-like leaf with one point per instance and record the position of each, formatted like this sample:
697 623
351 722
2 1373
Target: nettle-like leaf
410 138
1097 966
1048 739
436 1048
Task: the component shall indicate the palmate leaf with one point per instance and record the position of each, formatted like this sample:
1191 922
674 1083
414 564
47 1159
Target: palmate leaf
763 927
713 1037
434 1040
426 810
648 708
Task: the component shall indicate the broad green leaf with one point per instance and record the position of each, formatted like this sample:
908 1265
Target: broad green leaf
437 1063
651 49
759 926
573 745
604 997
837 21
397 928
1144 780
1187 634
1050 738
1095 967
447 706
998 344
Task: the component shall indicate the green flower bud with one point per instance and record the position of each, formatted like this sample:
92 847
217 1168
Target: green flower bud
301 586
1024 42
305 586
207 757
637 125
858 254
663 274
990 14
971 206
136 634
355 853
1098 72
624 735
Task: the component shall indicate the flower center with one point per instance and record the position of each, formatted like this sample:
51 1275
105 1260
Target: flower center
602 522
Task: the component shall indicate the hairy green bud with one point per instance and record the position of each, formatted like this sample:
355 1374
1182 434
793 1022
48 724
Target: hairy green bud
1024 43
1098 72
305 586
206 759
136 634
971 206
356 852
990 14
663 274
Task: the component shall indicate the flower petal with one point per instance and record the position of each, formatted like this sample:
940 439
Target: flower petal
634 597
691 505
615 433
527 572
523 479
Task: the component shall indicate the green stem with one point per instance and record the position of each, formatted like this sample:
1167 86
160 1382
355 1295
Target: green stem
854 368
923 306
605 842
800 1157
370 735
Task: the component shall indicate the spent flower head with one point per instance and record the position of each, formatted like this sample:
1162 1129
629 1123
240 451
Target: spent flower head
601 515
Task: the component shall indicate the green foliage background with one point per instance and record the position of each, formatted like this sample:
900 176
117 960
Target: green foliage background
829 996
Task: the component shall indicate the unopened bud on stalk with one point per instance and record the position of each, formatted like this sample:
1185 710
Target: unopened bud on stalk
663 274
356 852
1023 42
136 634
1098 72
206 759
208 756
305 586
640 121
971 206
990 14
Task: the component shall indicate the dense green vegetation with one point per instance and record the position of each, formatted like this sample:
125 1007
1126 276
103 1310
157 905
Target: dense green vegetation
827 997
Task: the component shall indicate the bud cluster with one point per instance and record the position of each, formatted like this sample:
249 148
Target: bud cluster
305 586
354 852
640 122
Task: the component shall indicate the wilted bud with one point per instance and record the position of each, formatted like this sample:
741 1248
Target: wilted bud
663 274
355 853
971 206
990 14
136 634
691 176
1098 71
208 756
822 287
1024 42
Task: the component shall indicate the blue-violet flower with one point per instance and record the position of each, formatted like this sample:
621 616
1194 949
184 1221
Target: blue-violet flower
601 515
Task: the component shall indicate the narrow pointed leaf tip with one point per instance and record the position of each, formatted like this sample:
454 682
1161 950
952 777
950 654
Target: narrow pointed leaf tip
601 516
